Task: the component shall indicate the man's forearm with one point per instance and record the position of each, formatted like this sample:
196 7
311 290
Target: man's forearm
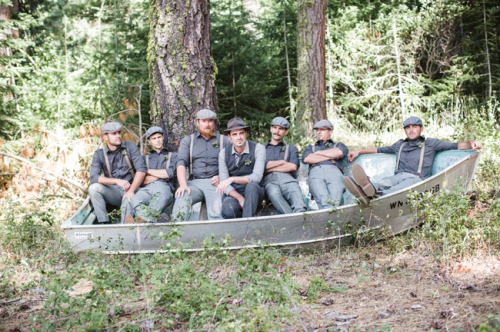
284 167
138 178
181 175
159 173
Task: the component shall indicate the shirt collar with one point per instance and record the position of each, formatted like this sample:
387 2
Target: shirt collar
420 138
318 142
107 150
245 150
269 143
198 134
152 151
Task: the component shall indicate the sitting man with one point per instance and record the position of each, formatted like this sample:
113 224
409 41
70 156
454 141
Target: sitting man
282 160
415 155
156 193
199 152
123 168
241 166
325 180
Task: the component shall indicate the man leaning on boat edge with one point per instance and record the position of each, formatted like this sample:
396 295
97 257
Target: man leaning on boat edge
414 159
122 168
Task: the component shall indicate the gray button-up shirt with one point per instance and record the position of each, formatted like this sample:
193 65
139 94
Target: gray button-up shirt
410 156
205 154
258 169
159 161
277 152
117 163
319 146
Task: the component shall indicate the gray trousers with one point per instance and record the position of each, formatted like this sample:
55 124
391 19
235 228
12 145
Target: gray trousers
284 192
201 190
253 193
101 194
326 185
149 201
394 183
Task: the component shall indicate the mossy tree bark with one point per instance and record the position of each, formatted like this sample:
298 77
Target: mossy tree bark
311 94
181 72
6 13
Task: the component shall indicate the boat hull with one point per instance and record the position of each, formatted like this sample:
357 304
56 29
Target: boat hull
388 215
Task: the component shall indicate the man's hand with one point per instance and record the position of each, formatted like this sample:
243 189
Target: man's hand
353 155
181 190
221 188
123 183
476 145
241 200
128 195
215 180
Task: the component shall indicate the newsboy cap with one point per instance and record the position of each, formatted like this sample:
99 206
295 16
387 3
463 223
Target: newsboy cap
412 120
323 124
279 121
236 123
206 114
111 127
153 130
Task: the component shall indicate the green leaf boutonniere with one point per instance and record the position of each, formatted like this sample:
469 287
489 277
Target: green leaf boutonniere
282 148
328 144
215 144
248 162
420 144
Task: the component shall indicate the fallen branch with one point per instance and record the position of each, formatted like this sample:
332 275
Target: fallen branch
29 163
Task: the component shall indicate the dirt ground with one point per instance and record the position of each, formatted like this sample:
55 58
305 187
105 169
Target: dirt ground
377 290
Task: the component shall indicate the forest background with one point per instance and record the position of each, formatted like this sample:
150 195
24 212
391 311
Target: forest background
68 66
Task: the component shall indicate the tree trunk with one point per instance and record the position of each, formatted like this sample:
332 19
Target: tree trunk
181 72
311 103
6 15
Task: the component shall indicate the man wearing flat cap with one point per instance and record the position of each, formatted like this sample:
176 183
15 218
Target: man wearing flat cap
199 152
241 166
282 161
116 171
156 192
325 180
415 155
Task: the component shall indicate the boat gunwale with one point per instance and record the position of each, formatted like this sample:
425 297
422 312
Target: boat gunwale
67 224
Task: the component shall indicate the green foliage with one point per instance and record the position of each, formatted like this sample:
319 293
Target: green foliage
493 324
26 229
446 222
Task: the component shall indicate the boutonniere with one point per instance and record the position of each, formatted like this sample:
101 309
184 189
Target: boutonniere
248 162
328 144
420 144
215 144
124 152
282 148
166 157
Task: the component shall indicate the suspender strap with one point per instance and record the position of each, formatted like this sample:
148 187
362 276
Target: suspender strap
421 162
287 148
221 143
399 157
191 156
168 160
147 161
127 160
314 147
106 161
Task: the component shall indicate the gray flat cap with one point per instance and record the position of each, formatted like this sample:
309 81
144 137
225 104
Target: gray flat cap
236 123
323 124
111 127
206 114
412 120
153 130
279 121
